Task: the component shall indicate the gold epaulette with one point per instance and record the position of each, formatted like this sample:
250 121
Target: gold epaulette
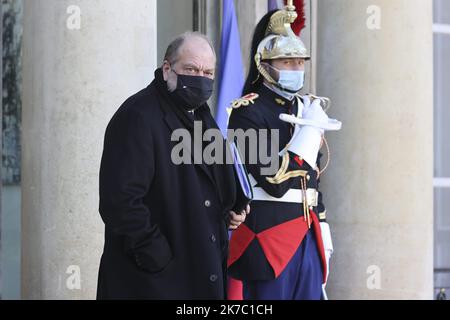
245 100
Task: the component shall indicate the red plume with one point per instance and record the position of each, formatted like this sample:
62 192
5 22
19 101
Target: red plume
300 22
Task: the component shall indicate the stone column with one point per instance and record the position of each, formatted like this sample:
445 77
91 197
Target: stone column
375 63
82 59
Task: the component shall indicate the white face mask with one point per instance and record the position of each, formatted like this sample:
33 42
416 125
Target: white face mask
291 80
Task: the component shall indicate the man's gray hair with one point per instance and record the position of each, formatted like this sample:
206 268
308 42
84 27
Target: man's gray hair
174 47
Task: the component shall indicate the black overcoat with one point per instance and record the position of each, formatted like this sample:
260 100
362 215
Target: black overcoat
165 224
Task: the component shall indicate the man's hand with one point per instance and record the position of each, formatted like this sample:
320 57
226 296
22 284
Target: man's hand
237 219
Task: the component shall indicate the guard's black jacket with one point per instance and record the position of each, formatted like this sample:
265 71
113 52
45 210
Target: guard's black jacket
165 224
249 261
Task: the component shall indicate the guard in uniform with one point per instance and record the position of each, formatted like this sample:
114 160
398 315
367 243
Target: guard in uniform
283 249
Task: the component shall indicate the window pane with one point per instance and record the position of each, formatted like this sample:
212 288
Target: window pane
442 227
441 105
441 11
442 238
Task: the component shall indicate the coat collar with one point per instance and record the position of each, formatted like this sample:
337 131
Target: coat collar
173 123
275 99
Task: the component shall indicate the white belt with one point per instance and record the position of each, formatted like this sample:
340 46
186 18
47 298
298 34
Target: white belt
292 196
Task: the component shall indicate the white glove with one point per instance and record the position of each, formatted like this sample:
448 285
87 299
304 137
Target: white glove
313 111
327 244
306 104
306 142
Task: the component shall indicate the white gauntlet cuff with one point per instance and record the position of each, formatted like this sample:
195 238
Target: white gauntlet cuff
306 144
326 237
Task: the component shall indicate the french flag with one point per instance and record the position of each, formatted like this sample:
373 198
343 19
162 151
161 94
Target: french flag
231 82
231 72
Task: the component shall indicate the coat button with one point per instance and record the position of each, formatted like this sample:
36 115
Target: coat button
138 261
308 177
212 238
213 277
207 203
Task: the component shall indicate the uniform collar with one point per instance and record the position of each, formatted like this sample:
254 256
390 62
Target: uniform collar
274 97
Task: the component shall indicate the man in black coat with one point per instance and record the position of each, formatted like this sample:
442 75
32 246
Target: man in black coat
165 224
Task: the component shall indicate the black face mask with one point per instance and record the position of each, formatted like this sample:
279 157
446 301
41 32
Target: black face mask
193 91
